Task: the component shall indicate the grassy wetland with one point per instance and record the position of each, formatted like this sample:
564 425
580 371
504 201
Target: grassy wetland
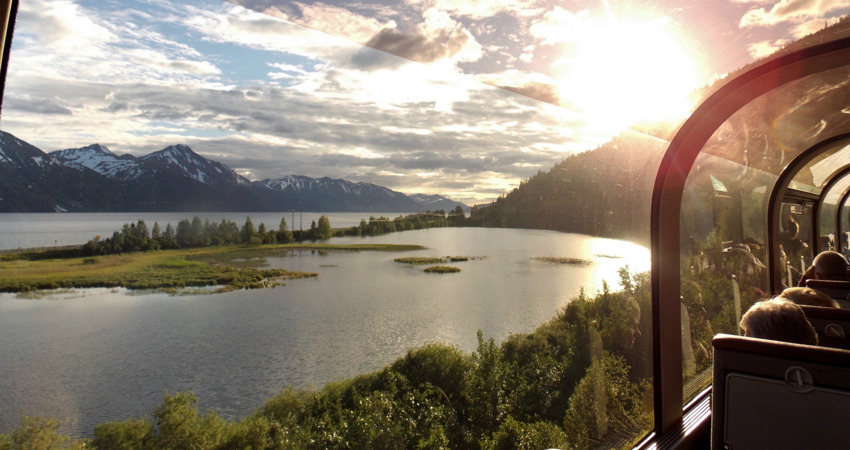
228 267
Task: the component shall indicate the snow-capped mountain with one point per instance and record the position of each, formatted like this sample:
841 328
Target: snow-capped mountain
15 152
178 159
195 166
32 181
437 202
92 178
98 158
337 195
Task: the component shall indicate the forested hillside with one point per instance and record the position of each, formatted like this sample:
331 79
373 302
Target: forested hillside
602 192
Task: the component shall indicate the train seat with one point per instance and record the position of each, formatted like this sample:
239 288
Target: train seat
832 325
839 290
770 394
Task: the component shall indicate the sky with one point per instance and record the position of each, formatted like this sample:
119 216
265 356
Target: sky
462 99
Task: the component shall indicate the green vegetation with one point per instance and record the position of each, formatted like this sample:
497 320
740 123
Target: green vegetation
441 269
418 261
579 380
232 267
571 261
423 260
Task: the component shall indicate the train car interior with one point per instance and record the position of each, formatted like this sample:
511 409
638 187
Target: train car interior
762 162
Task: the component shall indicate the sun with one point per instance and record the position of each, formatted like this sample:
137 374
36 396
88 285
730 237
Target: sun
622 73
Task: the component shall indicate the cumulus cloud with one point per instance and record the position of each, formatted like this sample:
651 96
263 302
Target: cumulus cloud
765 48
418 47
437 38
793 11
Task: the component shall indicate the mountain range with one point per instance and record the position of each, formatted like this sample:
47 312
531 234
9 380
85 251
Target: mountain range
93 179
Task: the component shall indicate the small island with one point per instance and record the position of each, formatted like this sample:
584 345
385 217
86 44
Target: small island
441 269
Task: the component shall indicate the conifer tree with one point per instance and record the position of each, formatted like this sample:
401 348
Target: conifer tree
248 231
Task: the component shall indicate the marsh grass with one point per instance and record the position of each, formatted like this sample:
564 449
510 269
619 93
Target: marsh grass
235 267
441 269
570 261
420 261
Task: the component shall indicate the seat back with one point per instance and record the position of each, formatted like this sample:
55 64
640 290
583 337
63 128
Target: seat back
831 324
838 290
770 394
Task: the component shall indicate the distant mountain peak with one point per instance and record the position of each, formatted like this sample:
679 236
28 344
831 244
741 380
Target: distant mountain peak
436 202
100 159
195 166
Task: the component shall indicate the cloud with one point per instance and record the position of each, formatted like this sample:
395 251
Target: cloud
560 26
531 85
437 38
35 105
418 47
339 21
791 11
479 9
71 42
763 49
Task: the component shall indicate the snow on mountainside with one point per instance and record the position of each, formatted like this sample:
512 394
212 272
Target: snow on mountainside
17 153
195 166
98 158
436 202
179 157
296 183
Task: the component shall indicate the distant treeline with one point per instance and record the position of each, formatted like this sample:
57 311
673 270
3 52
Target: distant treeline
137 237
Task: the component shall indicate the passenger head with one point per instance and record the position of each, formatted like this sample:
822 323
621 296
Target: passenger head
808 296
779 320
830 266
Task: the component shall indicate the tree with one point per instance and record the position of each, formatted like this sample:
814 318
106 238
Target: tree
248 231
313 233
323 230
38 433
198 238
169 238
184 233
457 217
604 403
284 236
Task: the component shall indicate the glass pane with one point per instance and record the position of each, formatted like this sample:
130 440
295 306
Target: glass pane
828 213
723 260
725 209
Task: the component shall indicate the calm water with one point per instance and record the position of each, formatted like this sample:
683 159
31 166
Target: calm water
94 355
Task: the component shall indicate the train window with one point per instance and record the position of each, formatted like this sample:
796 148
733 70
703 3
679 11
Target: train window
753 171
725 212
829 234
